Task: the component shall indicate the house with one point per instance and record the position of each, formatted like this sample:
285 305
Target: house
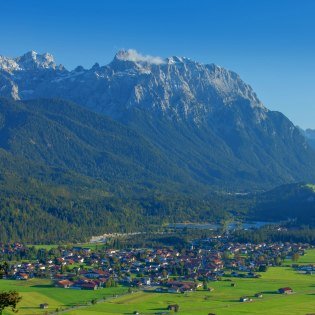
286 290
198 285
43 306
22 276
186 288
173 307
89 286
64 284
146 281
245 299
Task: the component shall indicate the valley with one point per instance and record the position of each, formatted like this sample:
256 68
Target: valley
157 157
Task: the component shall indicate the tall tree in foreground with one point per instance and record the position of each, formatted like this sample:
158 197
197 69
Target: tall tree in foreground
9 299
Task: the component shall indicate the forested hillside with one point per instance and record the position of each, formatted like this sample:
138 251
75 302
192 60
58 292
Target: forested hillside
67 173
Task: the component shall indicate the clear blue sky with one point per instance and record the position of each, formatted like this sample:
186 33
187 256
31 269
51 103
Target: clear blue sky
270 43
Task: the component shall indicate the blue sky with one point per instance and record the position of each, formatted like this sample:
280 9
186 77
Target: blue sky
270 43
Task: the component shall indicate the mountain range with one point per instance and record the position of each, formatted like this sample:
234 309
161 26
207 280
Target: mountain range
138 142
206 121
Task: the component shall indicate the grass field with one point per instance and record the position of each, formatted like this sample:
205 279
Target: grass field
308 258
37 291
47 247
224 300
84 245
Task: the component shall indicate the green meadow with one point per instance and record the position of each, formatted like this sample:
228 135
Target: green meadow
37 291
83 245
308 258
224 299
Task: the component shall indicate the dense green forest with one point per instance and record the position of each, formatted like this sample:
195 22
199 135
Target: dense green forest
295 235
291 201
36 213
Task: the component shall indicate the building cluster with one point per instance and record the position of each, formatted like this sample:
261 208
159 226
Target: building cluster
164 269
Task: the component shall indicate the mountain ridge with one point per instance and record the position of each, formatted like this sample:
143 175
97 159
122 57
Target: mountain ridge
135 64
205 119
61 134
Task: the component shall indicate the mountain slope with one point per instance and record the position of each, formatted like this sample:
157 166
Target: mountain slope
205 119
310 136
61 134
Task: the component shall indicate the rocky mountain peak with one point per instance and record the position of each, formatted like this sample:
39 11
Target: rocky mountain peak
32 60
205 118
8 64
28 62
177 87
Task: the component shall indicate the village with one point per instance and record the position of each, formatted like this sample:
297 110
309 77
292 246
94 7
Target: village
158 269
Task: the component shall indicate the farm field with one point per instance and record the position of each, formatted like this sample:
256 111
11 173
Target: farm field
308 258
223 300
37 291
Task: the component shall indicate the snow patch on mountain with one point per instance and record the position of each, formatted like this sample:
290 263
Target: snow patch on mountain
33 60
8 64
